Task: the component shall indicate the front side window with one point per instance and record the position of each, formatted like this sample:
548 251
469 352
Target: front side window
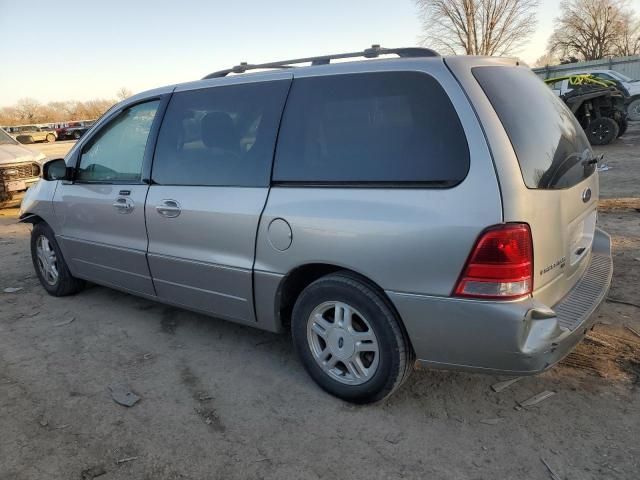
116 152
220 136
386 127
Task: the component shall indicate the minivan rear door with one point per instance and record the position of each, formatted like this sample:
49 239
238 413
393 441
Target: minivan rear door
546 169
210 181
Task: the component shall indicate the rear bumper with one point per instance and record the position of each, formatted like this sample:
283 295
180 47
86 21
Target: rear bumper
521 337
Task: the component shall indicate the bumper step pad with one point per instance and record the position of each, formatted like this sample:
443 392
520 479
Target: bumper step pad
587 293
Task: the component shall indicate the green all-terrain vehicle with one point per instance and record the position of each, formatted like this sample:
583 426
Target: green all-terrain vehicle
599 105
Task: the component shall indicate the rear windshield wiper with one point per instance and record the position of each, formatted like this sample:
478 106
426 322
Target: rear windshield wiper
592 161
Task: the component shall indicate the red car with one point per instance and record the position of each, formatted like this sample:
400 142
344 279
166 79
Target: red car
74 130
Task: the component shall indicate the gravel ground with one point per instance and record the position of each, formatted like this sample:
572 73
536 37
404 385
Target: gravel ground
224 401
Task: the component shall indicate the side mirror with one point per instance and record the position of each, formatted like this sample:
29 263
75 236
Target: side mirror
57 170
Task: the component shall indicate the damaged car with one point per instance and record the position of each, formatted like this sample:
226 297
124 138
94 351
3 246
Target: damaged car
20 168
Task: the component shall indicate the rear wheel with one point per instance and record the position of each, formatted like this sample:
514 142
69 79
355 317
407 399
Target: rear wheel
51 138
602 131
76 135
349 339
50 265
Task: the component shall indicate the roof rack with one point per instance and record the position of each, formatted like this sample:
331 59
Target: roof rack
373 52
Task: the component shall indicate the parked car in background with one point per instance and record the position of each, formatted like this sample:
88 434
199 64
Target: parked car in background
20 168
386 212
33 133
77 132
74 130
628 86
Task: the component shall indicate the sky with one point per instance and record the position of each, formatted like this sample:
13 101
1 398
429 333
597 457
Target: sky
89 49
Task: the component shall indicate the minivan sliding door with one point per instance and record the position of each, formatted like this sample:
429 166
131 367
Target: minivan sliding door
210 181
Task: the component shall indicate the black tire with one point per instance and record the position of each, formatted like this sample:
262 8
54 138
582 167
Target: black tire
66 283
77 135
51 138
622 125
396 357
602 131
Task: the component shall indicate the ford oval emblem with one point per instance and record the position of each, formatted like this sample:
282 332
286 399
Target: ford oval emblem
586 195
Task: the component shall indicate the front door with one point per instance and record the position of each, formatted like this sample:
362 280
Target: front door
101 226
210 182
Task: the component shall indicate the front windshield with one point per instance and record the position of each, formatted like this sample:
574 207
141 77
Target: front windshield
5 139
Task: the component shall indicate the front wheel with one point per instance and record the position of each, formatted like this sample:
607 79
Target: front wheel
349 339
602 131
50 265
76 135
51 138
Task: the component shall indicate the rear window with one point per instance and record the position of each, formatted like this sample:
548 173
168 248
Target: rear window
551 147
385 127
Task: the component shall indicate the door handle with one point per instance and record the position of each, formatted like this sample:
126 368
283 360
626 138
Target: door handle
169 208
123 205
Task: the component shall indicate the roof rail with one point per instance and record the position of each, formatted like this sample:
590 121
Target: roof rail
373 52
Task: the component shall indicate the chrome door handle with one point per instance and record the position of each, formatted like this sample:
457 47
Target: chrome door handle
169 208
123 205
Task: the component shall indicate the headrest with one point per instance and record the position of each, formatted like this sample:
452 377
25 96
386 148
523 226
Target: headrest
218 131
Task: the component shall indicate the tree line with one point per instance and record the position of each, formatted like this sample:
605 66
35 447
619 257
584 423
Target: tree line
30 111
584 30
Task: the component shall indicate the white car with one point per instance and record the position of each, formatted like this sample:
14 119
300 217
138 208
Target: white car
20 168
632 87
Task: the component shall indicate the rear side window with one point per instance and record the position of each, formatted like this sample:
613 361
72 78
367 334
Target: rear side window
220 136
551 147
387 127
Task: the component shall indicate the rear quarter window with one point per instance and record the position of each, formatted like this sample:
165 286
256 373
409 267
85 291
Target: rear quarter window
385 127
551 147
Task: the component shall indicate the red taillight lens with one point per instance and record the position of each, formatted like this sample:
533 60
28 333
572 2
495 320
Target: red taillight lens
500 265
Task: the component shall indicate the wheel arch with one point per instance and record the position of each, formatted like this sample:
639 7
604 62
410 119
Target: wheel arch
300 277
31 218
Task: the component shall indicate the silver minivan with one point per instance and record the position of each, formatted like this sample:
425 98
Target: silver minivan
386 212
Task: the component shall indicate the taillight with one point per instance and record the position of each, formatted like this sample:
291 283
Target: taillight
500 265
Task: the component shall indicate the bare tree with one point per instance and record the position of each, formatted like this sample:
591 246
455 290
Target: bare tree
628 40
28 110
477 27
95 108
123 93
9 116
594 29
547 58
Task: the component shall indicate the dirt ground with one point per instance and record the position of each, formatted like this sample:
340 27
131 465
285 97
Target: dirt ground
222 401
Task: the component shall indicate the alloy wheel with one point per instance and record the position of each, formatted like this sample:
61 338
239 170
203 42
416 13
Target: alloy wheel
47 261
343 343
